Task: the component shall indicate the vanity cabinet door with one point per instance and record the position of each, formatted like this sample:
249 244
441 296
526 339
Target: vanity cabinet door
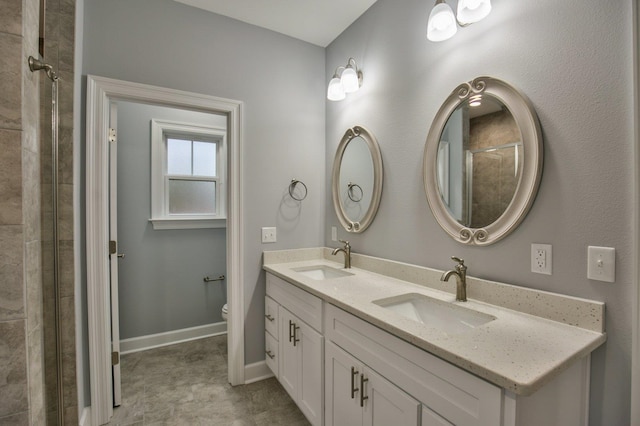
300 366
288 365
386 404
357 395
341 387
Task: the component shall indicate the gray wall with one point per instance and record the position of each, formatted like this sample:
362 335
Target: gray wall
160 279
279 79
574 61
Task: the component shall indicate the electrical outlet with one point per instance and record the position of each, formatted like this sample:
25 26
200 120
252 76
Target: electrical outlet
334 233
268 235
541 258
601 264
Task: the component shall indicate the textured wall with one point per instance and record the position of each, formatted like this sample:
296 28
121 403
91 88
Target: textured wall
574 61
160 279
281 83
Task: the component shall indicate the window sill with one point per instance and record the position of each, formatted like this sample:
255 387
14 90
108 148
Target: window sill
188 223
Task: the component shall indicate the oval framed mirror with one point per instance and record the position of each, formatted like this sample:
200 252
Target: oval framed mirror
483 161
357 179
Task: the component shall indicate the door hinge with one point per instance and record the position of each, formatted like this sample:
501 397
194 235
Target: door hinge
115 358
113 247
112 135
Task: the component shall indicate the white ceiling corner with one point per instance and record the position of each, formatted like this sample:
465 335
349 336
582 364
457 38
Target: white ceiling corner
315 21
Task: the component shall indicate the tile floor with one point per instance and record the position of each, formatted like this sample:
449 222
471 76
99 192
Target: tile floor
186 384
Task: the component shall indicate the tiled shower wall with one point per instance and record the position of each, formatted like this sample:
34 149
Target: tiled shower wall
23 182
21 364
494 180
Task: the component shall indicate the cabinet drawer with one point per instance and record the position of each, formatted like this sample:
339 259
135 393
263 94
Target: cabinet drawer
271 317
271 353
450 392
304 305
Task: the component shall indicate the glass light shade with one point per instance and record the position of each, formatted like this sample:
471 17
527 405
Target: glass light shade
475 100
335 92
349 80
442 23
471 11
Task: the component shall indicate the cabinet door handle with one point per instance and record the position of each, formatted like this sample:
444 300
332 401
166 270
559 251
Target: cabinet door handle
354 389
295 334
362 396
290 331
270 354
269 317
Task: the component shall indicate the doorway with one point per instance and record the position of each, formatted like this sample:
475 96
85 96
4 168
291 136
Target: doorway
101 94
171 266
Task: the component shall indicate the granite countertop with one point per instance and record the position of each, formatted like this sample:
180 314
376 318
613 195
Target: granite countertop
535 336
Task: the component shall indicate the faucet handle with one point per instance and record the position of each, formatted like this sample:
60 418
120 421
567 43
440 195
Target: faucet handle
457 259
345 242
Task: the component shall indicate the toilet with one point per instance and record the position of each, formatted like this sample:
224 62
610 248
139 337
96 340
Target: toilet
225 311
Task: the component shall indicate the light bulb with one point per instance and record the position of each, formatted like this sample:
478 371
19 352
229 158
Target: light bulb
442 23
349 80
471 11
475 100
335 91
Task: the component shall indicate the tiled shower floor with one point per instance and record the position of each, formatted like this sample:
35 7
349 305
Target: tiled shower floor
186 384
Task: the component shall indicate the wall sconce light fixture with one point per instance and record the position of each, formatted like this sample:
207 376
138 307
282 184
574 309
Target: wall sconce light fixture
442 21
345 80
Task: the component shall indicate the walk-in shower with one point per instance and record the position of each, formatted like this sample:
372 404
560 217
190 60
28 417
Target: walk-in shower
51 296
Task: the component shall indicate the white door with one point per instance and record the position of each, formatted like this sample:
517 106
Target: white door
310 353
385 404
342 392
288 365
113 253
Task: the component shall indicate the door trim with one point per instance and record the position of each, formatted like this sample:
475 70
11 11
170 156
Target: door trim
100 92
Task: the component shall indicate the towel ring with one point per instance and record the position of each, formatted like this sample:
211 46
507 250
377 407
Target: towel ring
292 187
350 192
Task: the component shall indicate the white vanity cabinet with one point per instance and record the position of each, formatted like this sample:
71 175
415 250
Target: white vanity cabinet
342 370
356 395
444 394
300 345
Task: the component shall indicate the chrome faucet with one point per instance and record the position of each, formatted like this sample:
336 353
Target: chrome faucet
460 272
347 253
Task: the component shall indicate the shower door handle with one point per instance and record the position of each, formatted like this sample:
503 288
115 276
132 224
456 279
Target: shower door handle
120 255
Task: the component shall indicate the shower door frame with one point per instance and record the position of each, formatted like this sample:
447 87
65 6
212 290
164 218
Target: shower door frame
100 92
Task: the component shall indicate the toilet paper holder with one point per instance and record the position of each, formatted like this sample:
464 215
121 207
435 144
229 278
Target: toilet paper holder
208 280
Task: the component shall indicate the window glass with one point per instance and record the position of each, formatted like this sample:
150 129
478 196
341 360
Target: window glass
192 197
204 159
178 157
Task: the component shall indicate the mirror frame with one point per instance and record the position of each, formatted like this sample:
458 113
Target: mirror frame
527 120
376 157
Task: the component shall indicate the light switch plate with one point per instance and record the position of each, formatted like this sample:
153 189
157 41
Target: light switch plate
601 264
334 233
268 235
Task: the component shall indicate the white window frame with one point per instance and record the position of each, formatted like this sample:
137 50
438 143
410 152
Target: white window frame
160 216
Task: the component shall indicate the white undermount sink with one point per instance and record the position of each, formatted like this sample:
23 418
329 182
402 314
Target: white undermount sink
321 272
446 316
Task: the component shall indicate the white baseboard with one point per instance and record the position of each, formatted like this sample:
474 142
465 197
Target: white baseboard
256 372
85 417
142 343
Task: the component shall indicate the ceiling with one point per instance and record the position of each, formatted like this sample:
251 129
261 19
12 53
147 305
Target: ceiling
315 21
